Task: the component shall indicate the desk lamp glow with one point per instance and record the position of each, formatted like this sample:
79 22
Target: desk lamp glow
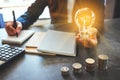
84 19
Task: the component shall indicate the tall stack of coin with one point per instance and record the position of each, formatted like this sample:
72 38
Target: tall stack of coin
90 64
102 61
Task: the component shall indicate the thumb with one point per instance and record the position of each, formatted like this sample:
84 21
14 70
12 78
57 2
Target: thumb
19 27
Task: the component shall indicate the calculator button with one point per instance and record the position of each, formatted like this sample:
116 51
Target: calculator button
6 53
9 47
2 52
2 49
3 55
7 56
0 56
10 54
13 52
16 50
10 51
6 50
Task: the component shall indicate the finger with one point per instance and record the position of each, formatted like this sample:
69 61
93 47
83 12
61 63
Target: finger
77 37
93 42
80 40
18 29
78 33
11 31
87 45
9 28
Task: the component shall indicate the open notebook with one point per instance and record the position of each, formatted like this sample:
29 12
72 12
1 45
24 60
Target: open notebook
33 43
23 36
58 42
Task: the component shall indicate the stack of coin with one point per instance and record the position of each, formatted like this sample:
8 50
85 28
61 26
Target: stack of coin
77 68
102 61
65 70
90 64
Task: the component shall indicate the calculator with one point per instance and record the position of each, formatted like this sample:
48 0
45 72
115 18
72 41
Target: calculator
7 53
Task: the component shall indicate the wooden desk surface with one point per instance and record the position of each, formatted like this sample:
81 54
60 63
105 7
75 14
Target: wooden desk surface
37 67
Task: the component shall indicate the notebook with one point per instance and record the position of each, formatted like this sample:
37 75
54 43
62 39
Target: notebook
58 42
23 36
33 43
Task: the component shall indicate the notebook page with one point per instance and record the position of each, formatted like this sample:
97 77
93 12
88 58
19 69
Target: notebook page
34 41
58 42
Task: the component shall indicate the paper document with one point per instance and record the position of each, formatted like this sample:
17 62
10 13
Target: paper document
58 42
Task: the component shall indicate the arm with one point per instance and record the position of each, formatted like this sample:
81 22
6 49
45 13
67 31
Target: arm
33 12
28 18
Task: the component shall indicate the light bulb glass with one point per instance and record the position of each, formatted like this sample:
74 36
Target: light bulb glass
84 19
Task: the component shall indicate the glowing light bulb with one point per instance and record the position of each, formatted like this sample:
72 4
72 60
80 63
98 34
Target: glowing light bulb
84 19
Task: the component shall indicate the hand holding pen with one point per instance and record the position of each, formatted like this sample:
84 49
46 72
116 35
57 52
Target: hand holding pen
13 27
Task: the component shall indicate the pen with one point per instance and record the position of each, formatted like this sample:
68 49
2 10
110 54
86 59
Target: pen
14 21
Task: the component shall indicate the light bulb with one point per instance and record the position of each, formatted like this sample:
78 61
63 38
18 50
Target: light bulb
84 19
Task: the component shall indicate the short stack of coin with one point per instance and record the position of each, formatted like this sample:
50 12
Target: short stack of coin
90 64
77 68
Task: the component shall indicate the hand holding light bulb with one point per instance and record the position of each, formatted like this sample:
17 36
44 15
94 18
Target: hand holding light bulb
87 35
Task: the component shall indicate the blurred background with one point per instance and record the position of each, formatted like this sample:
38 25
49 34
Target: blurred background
112 9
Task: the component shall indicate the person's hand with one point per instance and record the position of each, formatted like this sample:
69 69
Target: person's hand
90 40
11 30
